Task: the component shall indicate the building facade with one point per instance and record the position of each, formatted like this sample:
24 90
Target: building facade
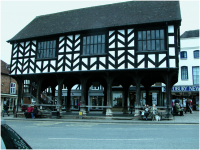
109 46
188 80
9 87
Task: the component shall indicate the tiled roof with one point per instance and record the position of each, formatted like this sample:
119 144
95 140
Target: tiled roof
118 14
191 33
4 69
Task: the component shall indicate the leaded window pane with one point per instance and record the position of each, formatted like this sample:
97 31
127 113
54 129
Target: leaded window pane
95 49
140 45
46 49
149 45
88 49
152 34
144 35
162 44
47 44
91 40
88 39
148 35
103 38
99 48
153 45
144 46
162 34
99 38
157 44
91 49
157 34
139 35
95 39
103 48
84 40
84 50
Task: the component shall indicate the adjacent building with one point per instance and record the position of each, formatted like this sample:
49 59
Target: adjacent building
132 45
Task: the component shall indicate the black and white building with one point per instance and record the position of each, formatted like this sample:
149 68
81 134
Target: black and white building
129 44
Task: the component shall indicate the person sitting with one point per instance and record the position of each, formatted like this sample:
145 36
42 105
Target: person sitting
29 111
178 109
35 111
146 113
153 112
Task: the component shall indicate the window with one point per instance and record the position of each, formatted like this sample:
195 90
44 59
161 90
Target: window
93 45
184 73
151 40
196 54
195 72
183 54
46 49
26 86
12 88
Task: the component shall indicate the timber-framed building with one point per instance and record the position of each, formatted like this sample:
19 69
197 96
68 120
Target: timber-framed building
129 44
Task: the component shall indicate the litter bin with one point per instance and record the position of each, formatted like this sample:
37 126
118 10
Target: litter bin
80 115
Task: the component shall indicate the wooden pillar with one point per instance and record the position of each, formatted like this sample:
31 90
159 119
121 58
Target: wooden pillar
168 94
53 94
83 95
126 88
68 101
105 99
109 112
38 96
19 82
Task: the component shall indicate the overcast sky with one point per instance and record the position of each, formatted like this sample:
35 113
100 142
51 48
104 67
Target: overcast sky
15 15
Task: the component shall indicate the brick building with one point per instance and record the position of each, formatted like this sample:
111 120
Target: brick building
9 87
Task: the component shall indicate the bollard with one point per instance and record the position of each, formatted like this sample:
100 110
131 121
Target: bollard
80 115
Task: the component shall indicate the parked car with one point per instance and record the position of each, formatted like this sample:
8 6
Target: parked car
24 107
10 139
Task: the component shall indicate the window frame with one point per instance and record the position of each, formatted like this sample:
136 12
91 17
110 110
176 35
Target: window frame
182 75
193 74
196 51
12 88
54 48
93 43
184 54
150 39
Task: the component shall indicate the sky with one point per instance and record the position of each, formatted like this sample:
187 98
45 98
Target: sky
15 15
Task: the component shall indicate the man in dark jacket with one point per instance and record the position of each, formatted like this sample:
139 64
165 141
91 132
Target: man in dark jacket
5 110
35 111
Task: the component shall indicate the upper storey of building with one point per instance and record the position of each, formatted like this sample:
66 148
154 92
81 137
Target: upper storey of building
129 35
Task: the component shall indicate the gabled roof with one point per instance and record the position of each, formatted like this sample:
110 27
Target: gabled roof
118 14
4 68
191 33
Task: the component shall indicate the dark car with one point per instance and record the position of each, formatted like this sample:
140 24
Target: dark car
10 139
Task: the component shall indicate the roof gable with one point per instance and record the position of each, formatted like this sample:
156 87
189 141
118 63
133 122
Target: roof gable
119 14
191 33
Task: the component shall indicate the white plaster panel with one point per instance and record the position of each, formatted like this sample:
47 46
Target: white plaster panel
15 55
22 44
21 49
121 31
76 69
34 42
62 50
112 53
13 61
60 70
121 59
69 56
30 71
33 47
76 62
76 56
70 37
131 37
111 60
20 60
120 52
110 67
101 67
132 52
66 68
131 44
112 45
45 63
27 49
150 65
77 49
163 65
77 42
15 45
83 68
121 38
171 51
161 56
53 63
119 44
67 62
85 60
39 64
62 43
152 57
93 60
18 71
32 66
32 53
33 60
131 59
110 32
140 57
103 60
130 66
122 66
77 36
171 39
141 65
51 69
171 29
172 63
27 43
15 50
112 38
94 67
130 30
45 70
60 38
25 60
69 43
60 57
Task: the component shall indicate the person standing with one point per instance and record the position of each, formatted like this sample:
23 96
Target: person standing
35 111
5 109
79 105
188 106
29 111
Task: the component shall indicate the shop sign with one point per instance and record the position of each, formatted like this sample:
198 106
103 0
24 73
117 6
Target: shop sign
182 88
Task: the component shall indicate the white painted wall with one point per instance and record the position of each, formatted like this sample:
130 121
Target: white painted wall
189 45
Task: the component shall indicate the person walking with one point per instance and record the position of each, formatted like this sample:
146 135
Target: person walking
5 109
188 106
